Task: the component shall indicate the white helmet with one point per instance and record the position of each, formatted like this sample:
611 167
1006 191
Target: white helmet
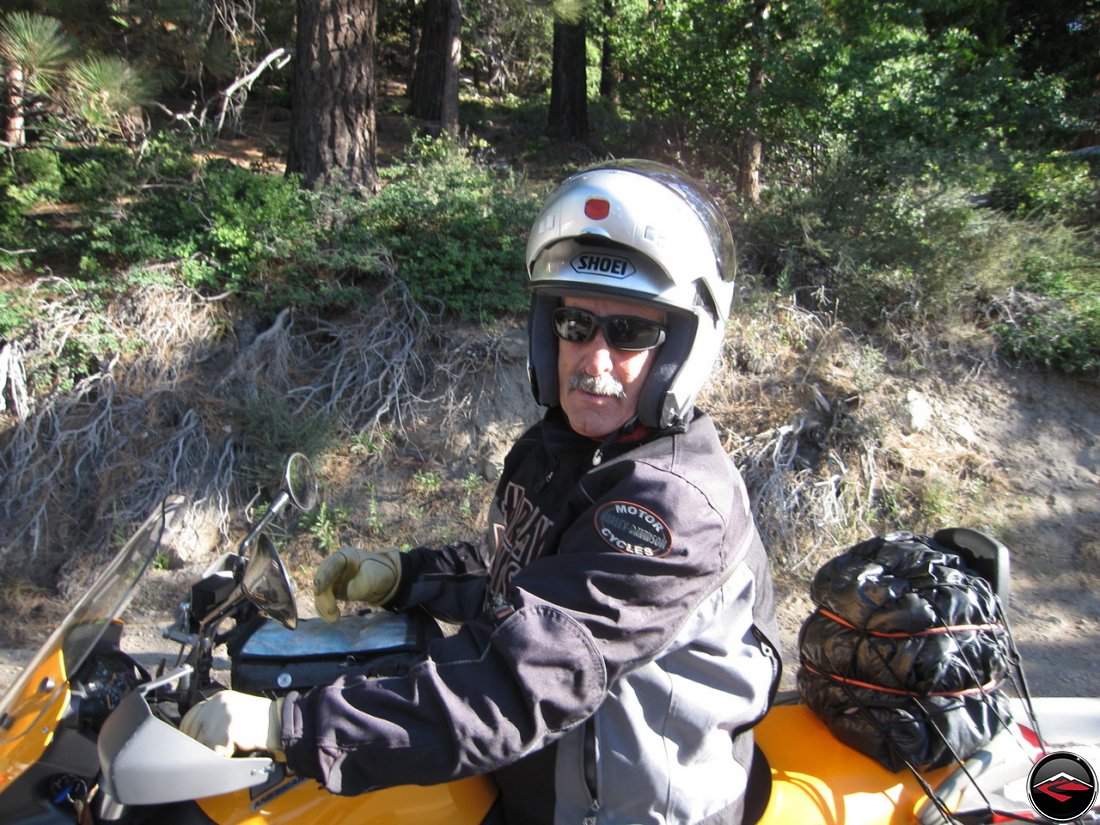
638 230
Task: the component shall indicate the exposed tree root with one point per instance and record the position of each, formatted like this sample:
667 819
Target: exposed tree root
81 466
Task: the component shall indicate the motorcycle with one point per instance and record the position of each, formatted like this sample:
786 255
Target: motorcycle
88 735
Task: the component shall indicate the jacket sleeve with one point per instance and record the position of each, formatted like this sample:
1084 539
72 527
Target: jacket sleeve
481 699
613 575
508 684
448 582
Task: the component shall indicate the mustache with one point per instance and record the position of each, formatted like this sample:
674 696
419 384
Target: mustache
602 384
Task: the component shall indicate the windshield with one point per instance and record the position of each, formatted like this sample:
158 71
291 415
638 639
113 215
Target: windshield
36 689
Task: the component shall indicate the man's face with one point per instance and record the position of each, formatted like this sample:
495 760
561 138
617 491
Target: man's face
598 384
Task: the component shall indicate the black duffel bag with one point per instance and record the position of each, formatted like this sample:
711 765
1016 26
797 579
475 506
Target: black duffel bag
906 652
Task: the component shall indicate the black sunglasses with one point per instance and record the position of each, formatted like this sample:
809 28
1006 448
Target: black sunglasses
625 332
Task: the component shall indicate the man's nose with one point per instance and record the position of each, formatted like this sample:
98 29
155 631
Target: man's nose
598 356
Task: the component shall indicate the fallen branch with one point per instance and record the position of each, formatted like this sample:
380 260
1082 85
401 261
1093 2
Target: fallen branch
280 54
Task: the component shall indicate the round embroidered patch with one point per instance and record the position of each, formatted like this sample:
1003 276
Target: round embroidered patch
631 528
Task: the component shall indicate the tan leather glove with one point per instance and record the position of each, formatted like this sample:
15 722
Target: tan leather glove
232 722
353 574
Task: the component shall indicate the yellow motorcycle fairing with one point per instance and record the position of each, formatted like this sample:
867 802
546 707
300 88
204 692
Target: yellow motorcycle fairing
299 801
818 780
31 712
34 704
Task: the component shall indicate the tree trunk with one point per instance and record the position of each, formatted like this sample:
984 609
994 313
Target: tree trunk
15 133
433 94
609 64
751 153
332 123
751 156
569 83
449 114
426 88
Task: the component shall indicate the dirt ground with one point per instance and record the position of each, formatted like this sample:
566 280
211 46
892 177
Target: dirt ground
1040 435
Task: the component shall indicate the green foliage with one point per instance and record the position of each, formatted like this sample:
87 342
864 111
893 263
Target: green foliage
49 195
93 177
1053 317
505 45
685 63
68 90
882 124
324 525
11 217
904 253
905 92
17 311
269 430
932 256
424 483
1059 186
370 442
915 102
37 178
37 46
105 92
373 522
456 230
230 230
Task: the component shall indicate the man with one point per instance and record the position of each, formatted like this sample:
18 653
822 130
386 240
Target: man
615 644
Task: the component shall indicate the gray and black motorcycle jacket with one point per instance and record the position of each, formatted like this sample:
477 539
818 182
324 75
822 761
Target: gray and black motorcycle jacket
618 642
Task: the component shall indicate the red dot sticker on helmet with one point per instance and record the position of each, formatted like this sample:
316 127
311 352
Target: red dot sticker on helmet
597 208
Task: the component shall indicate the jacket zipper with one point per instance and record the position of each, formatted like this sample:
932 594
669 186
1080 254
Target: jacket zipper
588 750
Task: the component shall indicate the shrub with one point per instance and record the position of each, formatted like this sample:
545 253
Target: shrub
270 427
912 254
1052 317
37 178
96 175
1060 186
29 178
457 231
251 224
908 252
228 230
11 219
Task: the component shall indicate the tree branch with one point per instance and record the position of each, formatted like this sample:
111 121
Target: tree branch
281 54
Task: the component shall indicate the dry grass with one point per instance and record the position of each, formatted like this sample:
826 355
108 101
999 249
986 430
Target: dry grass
107 449
814 418
788 403
81 466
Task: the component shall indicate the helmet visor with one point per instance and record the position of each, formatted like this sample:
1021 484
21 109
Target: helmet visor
626 332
